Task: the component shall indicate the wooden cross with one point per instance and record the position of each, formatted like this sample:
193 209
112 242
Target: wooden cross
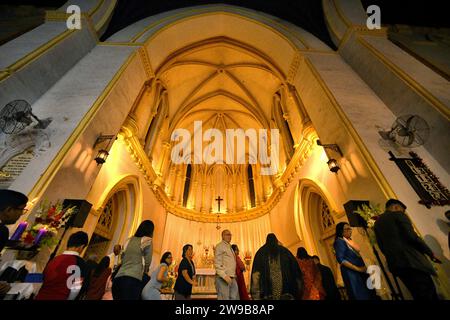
218 199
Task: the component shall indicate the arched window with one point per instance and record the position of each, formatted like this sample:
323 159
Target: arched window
326 217
283 126
251 186
105 221
287 132
187 184
152 131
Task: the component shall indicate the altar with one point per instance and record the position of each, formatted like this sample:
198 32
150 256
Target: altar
206 288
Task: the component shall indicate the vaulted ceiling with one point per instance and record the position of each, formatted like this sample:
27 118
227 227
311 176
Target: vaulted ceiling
220 83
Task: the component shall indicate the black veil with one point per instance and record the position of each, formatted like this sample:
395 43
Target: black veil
292 279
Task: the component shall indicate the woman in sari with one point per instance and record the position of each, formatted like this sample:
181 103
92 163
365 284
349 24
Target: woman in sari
353 268
240 269
312 279
275 273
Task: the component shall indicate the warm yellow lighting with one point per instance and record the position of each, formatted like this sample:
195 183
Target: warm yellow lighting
323 156
333 165
103 153
101 156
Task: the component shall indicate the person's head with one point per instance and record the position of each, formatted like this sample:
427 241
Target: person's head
316 259
272 240
343 230
235 249
166 258
394 205
12 205
302 253
272 245
101 266
77 241
188 251
447 214
145 229
117 249
226 235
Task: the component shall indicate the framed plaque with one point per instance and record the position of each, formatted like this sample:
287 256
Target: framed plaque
14 167
424 182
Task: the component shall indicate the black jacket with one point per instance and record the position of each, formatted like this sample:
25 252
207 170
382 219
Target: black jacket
4 235
400 244
328 283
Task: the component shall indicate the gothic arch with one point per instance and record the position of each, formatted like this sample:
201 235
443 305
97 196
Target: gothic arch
126 193
222 72
315 218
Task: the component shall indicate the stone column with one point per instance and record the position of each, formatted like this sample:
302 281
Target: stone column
182 185
234 185
176 185
225 197
258 186
193 196
171 181
244 191
203 207
213 197
266 186
155 129
164 159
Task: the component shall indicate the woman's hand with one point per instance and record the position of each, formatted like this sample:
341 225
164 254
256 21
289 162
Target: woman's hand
351 266
362 269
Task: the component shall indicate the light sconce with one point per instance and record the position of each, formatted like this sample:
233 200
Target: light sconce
102 154
332 163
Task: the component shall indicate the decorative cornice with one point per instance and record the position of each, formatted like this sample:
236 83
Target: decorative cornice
62 16
295 64
146 62
155 183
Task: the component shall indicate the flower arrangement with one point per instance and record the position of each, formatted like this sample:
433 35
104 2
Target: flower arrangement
171 275
49 219
206 260
247 259
370 214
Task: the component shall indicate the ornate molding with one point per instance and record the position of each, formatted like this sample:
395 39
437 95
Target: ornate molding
144 165
295 64
146 62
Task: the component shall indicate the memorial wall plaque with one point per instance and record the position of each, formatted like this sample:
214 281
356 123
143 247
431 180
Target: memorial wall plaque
14 167
423 180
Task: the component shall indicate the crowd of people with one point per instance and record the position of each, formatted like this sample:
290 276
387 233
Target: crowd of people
276 273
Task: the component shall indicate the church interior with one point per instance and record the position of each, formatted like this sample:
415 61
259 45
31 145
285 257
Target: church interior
107 98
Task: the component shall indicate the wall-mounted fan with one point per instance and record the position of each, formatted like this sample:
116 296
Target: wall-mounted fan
17 115
408 131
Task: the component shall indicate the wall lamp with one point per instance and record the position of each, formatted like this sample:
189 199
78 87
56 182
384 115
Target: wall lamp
102 154
332 163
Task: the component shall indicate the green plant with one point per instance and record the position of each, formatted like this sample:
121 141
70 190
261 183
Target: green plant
49 219
369 213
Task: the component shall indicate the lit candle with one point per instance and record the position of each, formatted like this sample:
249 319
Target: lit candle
20 229
39 236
